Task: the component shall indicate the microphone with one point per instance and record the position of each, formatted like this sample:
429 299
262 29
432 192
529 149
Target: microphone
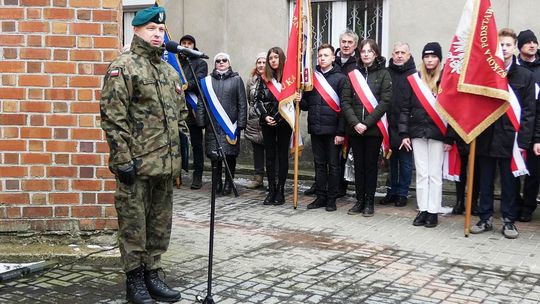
176 48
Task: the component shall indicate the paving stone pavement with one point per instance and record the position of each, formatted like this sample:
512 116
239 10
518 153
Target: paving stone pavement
276 254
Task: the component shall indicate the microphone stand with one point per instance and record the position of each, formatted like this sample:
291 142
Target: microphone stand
218 154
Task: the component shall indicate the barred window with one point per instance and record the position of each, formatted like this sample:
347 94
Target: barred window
331 18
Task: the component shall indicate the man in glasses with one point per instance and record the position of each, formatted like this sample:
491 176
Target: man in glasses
142 107
192 95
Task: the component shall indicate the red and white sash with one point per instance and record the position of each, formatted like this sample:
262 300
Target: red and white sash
326 91
514 113
369 101
452 161
275 87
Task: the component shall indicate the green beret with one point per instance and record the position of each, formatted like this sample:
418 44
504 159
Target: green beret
154 14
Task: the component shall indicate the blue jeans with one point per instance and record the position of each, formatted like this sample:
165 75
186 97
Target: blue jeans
401 166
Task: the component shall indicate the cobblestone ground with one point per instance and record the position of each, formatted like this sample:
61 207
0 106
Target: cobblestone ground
280 255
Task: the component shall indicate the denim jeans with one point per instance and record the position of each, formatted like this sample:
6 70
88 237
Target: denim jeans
401 167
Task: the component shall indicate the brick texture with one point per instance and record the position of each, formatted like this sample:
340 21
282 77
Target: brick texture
53 155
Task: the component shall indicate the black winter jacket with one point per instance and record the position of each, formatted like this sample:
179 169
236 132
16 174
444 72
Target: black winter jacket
201 70
415 122
323 120
380 83
534 67
401 93
498 139
267 105
230 91
348 65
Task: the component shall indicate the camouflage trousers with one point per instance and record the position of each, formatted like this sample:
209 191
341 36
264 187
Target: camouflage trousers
144 220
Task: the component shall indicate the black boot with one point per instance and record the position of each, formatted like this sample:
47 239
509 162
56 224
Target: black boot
280 194
358 206
431 220
271 196
319 202
158 289
136 291
227 187
331 205
369 210
420 219
459 207
196 182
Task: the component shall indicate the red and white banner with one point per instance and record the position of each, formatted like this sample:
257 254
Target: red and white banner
474 90
369 101
298 70
452 161
274 87
514 113
326 91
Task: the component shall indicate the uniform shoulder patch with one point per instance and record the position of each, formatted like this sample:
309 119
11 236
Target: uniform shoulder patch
114 72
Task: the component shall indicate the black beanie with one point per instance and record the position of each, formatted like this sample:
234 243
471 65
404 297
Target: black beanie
524 37
189 37
432 48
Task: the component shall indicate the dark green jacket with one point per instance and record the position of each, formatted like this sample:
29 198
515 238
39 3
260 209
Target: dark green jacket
380 83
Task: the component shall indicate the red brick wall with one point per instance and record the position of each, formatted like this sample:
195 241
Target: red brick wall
53 157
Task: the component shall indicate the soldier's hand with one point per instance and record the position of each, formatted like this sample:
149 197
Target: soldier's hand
127 176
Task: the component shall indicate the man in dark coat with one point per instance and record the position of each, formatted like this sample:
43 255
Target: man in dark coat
529 57
401 161
495 144
195 132
327 127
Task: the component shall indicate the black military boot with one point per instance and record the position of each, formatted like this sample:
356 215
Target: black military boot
369 210
136 291
158 289
271 196
359 206
280 194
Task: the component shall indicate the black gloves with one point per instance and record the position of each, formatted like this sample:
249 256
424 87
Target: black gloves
127 176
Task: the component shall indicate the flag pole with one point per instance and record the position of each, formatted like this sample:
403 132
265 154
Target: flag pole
297 104
470 178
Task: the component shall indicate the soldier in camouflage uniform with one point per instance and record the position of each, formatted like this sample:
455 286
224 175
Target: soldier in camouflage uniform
142 106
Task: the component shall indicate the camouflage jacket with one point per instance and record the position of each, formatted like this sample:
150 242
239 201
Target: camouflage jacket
142 105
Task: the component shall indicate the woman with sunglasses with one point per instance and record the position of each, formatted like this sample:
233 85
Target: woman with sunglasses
226 97
276 130
372 90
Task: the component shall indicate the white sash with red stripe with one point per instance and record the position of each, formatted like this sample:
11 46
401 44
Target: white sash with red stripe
369 101
452 161
514 113
326 91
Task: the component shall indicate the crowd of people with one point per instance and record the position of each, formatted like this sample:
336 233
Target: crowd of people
362 104
359 103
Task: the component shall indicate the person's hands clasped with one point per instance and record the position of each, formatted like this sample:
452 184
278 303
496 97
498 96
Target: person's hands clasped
360 128
270 121
406 142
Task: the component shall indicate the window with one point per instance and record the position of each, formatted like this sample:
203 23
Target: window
129 8
365 17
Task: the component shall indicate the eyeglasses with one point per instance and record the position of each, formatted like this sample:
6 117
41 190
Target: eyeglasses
224 60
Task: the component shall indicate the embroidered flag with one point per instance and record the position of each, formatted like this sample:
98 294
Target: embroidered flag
474 89
369 101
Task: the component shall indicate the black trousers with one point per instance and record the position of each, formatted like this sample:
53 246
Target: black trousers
487 166
196 137
276 145
366 155
258 158
231 161
528 204
327 165
461 185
